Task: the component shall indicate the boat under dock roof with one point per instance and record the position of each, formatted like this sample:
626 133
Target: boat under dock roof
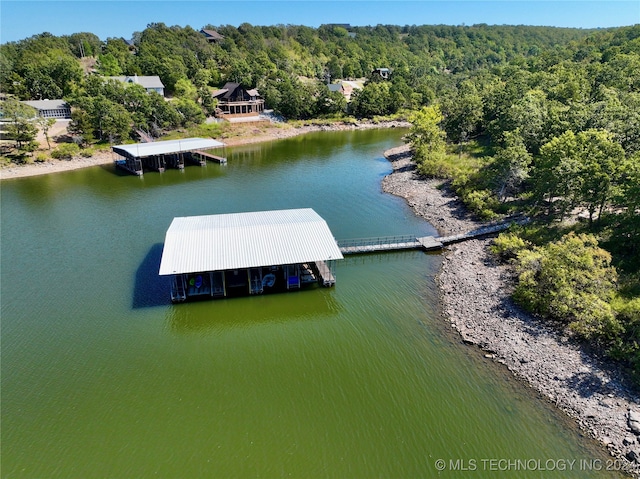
246 240
166 147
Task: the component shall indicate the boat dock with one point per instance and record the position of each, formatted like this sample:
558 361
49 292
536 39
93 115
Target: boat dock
204 156
159 155
426 243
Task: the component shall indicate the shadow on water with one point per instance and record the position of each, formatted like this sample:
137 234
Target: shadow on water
150 289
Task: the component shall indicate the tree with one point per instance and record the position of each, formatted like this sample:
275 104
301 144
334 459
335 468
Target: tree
373 99
185 89
80 126
189 111
571 281
21 128
556 174
108 65
45 125
512 165
601 159
425 132
113 121
427 140
330 102
529 115
464 112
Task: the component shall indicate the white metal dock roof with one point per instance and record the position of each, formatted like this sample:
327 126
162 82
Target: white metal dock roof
245 240
139 150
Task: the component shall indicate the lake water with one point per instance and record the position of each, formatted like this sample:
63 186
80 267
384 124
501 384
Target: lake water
103 377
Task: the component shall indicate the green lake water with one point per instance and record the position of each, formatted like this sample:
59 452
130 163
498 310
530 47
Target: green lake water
102 377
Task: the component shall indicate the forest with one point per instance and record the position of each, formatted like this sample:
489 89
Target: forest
535 121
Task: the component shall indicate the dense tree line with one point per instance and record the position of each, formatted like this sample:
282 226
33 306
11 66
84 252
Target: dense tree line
276 59
561 136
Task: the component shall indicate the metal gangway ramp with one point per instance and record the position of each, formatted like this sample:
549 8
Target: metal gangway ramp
426 243
388 243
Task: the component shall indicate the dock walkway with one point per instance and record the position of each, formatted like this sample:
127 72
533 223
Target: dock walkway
203 156
426 243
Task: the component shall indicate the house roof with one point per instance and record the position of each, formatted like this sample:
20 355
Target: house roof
141 150
212 34
246 240
47 104
146 81
229 88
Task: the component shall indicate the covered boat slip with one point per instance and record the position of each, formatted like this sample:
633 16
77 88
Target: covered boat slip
248 253
158 155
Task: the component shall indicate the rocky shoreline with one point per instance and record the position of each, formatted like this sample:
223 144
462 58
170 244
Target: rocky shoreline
475 299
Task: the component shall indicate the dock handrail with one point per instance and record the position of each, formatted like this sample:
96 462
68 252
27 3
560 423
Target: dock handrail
376 240
428 243
378 243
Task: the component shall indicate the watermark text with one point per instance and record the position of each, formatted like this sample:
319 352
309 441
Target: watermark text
515 464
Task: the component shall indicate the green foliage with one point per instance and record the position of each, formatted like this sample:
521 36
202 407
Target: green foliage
627 348
512 165
482 202
428 140
508 245
578 170
571 281
185 89
376 98
66 151
20 128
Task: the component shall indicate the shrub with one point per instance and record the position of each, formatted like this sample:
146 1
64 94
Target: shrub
571 281
65 151
481 202
628 348
87 152
41 158
508 245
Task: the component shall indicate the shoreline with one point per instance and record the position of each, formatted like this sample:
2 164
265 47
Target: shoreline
474 293
273 133
475 299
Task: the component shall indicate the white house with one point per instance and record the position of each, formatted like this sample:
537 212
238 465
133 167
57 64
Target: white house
150 83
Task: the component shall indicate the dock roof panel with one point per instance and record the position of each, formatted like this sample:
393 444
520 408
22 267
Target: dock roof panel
140 150
246 240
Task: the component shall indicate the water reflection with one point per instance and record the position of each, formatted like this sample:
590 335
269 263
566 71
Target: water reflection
245 312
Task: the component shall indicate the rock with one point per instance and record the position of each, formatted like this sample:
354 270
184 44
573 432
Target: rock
627 441
633 456
634 422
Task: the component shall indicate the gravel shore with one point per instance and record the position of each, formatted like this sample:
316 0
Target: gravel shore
475 299
247 135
